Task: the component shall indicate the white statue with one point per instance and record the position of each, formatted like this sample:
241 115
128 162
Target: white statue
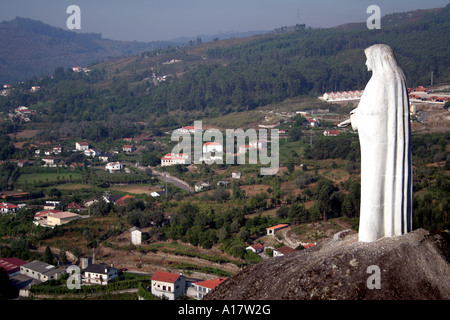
382 122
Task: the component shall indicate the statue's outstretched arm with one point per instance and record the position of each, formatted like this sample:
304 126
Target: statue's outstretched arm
351 121
345 123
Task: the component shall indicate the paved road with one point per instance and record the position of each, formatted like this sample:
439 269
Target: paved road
173 180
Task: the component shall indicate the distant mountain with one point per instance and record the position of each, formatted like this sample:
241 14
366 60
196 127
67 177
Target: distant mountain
31 48
220 36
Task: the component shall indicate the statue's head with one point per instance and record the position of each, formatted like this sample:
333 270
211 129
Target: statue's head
380 58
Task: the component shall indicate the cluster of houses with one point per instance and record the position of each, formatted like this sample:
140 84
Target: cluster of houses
50 160
165 285
280 251
52 213
414 94
81 69
23 113
212 151
342 96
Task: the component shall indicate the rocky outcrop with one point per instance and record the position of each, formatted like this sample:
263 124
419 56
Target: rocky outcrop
412 266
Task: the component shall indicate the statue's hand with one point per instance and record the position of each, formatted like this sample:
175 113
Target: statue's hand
345 123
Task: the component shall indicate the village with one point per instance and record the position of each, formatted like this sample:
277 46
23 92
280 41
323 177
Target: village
164 283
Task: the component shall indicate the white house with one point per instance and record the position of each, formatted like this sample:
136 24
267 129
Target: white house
199 186
210 147
236 175
283 251
129 148
188 129
168 285
313 122
100 274
113 167
92 153
204 287
49 161
256 248
52 205
8 208
82 146
171 159
136 236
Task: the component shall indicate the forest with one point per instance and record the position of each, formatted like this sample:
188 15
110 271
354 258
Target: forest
267 69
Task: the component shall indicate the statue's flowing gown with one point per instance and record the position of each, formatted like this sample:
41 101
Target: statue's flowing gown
383 123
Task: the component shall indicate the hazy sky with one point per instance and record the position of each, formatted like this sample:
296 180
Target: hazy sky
147 20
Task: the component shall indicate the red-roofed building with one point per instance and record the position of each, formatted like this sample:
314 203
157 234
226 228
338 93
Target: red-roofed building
11 265
283 251
188 129
309 245
8 208
313 122
123 201
43 214
168 285
129 148
271 231
212 147
171 159
256 248
75 206
204 287
82 146
331 133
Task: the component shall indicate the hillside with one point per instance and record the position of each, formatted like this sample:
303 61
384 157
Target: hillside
31 48
243 74
216 78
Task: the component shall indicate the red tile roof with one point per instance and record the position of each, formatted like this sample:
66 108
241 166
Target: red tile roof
286 250
11 265
165 276
212 283
8 206
45 213
257 246
122 201
283 225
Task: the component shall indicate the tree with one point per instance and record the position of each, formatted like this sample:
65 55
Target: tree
298 213
282 212
324 191
62 257
221 194
48 255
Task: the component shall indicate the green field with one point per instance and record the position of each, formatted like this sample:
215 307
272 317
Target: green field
30 178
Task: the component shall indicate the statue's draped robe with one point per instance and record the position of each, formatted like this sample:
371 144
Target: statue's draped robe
382 121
